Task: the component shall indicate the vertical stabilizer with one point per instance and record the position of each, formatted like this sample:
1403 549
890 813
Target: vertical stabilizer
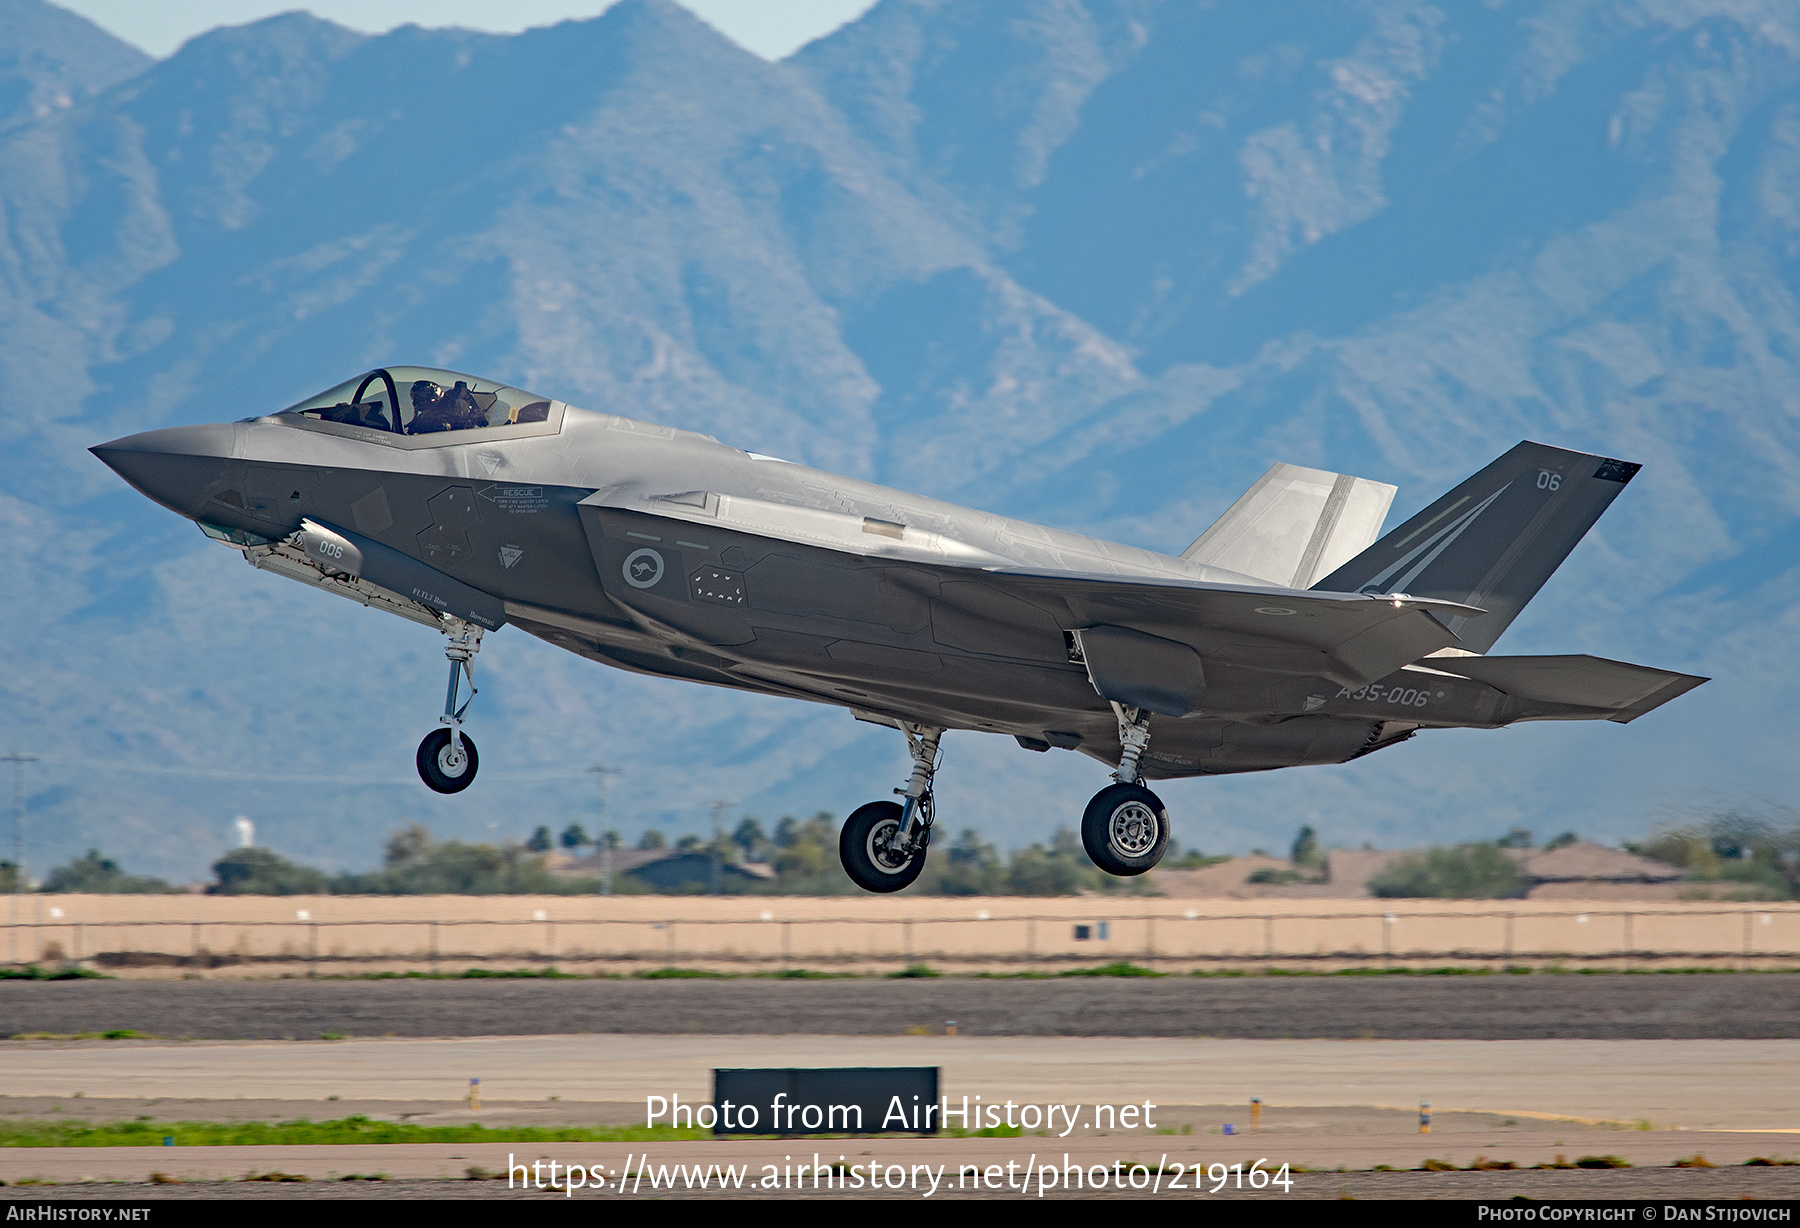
1295 525
1494 540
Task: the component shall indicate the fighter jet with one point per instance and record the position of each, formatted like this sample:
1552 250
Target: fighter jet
1288 634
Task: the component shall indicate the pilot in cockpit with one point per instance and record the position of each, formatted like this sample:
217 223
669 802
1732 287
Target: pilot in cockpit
437 410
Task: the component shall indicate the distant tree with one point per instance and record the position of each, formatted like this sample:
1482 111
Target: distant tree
1515 838
1738 834
1753 846
406 845
540 841
971 867
455 868
1188 859
1468 871
689 843
1061 869
610 839
809 850
805 858
652 839
101 875
260 871
750 837
1306 851
1560 842
574 836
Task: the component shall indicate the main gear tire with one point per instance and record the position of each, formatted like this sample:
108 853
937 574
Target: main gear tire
864 846
441 768
1125 829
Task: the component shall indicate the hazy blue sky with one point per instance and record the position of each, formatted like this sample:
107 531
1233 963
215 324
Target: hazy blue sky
771 28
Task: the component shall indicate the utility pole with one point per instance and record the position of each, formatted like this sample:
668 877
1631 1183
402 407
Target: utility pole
718 808
601 772
18 761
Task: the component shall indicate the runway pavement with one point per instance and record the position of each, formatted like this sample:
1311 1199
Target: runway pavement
1708 1062
1494 1007
1695 1084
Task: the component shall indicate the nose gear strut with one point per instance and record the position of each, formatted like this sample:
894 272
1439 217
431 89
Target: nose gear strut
447 760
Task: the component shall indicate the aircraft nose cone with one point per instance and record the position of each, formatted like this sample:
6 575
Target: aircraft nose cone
175 466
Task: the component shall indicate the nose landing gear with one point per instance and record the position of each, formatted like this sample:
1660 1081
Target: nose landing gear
447 760
882 845
1125 828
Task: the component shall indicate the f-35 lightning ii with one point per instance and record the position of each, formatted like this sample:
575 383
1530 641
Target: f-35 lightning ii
1286 635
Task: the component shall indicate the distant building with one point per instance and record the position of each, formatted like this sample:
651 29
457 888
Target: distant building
677 871
1588 871
1582 870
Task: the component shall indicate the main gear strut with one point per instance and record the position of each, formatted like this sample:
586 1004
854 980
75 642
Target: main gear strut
882 846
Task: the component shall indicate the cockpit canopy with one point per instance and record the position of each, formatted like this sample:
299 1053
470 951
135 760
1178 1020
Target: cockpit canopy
422 401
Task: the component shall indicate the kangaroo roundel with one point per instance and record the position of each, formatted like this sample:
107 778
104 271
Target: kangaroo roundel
643 568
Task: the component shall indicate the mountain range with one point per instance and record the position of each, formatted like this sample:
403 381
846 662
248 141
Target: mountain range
1096 263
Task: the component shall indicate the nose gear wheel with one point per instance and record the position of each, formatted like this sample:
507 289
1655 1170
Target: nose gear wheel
447 765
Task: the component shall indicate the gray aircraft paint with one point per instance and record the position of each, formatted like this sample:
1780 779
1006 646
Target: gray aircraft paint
669 553
1294 525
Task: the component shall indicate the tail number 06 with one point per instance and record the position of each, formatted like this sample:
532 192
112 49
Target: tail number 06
1548 480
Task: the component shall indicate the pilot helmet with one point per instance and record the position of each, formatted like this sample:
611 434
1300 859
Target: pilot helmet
425 393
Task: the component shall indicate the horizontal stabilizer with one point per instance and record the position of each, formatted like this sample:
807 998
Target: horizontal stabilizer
1294 526
1494 540
1628 691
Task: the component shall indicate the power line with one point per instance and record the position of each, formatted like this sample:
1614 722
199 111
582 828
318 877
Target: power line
601 772
718 808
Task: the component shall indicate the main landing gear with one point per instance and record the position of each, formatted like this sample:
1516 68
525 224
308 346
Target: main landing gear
447 759
883 844
1125 828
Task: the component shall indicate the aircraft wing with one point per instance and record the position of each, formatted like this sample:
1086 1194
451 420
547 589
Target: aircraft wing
1350 638
1581 682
